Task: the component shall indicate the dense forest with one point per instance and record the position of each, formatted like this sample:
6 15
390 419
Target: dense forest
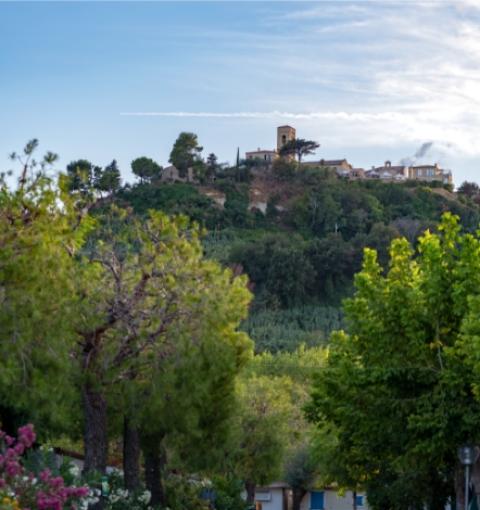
302 252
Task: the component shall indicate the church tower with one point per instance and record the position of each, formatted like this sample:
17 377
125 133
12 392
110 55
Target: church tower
284 135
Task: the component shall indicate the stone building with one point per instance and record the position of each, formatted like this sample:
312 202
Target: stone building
430 173
284 135
388 172
265 155
172 174
343 169
400 173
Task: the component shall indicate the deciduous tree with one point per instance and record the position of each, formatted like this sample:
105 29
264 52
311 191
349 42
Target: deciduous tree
399 390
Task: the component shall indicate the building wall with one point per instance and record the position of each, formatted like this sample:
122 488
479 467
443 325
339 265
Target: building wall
171 174
333 501
267 156
269 499
285 134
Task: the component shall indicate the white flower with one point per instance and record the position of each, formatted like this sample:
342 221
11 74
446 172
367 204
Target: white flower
145 497
74 471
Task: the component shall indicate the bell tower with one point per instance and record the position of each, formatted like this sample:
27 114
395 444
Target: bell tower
284 135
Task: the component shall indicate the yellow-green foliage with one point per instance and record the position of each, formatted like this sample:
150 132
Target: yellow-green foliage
400 390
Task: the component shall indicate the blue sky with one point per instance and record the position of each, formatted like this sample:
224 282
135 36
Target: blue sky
369 80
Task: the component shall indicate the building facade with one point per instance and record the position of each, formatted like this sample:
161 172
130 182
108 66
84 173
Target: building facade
265 155
284 135
385 172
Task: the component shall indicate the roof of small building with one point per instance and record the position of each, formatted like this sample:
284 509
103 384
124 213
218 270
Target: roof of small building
333 162
261 151
427 166
397 168
274 485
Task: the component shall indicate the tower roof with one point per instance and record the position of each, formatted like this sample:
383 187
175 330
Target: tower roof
286 126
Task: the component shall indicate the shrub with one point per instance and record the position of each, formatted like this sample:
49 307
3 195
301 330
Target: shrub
20 488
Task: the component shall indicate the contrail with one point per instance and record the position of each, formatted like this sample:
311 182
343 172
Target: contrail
354 116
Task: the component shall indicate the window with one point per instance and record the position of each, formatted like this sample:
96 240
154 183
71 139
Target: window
284 139
316 500
359 501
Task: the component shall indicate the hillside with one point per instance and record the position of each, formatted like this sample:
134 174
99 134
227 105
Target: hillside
300 237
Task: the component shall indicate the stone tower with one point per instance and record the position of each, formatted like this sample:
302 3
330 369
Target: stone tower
284 135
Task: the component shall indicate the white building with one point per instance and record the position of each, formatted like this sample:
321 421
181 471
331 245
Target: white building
330 499
278 496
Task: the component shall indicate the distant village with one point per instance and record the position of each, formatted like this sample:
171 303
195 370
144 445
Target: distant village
344 169
263 159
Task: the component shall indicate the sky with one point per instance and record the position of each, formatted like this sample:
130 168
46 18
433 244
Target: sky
368 80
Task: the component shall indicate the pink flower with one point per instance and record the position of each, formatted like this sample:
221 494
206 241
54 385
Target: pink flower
19 448
26 435
45 475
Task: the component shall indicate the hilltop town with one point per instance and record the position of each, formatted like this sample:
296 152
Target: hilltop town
344 169
260 161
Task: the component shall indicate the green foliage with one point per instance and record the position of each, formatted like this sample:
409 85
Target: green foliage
398 391
185 493
284 170
177 198
185 152
108 179
278 267
228 492
285 330
261 428
146 169
80 177
299 147
40 231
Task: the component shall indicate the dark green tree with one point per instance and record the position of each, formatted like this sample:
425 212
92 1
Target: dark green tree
80 175
107 180
146 169
186 150
299 147
212 166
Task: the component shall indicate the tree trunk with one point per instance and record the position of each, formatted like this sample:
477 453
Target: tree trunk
155 461
475 478
354 496
460 487
297 496
131 456
250 488
95 430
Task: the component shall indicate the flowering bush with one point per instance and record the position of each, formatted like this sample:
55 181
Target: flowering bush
21 489
109 488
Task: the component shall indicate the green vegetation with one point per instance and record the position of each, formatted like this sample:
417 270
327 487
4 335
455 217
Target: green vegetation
399 392
305 249
124 330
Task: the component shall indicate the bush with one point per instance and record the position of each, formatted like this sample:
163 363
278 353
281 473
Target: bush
21 488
